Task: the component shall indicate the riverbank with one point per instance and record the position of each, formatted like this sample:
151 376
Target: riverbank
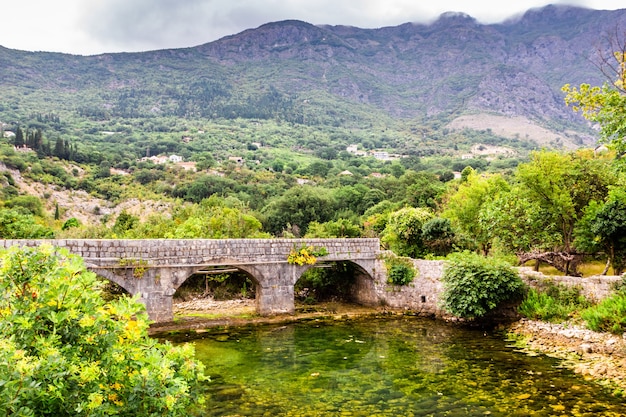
598 356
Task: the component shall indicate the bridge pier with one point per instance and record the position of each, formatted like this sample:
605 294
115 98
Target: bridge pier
155 285
159 306
275 293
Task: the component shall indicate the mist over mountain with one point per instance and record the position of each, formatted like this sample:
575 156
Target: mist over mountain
334 75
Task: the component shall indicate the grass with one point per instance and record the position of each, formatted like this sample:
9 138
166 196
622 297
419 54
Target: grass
587 269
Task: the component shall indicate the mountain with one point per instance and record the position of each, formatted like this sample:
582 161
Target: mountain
449 74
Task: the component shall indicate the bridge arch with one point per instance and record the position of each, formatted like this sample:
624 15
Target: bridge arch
110 275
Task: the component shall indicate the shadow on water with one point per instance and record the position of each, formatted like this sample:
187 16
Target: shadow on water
387 367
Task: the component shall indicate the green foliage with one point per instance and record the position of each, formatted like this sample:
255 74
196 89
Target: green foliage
64 351
403 232
15 225
27 204
518 223
603 227
438 236
340 228
70 223
124 222
464 205
475 285
556 303
604 105
298 207
400 270
607 316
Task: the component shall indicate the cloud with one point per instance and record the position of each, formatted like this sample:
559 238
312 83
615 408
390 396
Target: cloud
97 26
151 24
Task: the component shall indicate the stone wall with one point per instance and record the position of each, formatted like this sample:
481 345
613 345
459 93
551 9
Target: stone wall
423 294
420 296
595 287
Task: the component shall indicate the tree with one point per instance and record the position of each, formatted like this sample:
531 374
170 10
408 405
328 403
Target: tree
603 228
560 186
519 224
438 236
339 228
64 351
605 105
298 207
463 207
422 189
124 222
403 233
218 223
18 140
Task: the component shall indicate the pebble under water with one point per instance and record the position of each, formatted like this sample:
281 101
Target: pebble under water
387 367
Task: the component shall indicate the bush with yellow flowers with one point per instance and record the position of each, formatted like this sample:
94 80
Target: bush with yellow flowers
305 255
64 351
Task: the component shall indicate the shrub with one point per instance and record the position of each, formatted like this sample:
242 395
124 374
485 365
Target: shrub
400 270
607 316
306 255
69 223
16 225
475 285
64 351
555 304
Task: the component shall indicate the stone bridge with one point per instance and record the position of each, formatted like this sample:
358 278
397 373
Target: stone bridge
155 268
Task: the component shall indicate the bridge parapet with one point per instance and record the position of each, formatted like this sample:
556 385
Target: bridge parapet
187 252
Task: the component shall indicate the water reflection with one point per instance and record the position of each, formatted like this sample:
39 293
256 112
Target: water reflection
387 367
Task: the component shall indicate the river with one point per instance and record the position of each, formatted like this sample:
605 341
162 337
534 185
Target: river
402 366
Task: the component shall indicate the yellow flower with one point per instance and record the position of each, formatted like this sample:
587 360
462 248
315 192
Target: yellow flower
170 401
86 321
95 400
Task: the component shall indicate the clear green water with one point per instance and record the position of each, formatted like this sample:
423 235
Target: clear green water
387 367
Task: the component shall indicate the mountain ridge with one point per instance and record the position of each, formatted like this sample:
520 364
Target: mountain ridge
299 72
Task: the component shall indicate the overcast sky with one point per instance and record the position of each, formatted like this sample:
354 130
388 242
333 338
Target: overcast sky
90 27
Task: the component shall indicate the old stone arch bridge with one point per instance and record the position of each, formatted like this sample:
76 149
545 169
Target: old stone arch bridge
155 268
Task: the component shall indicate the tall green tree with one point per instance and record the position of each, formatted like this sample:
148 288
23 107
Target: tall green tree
518 223
403 233
603 228
464 204
560 186
298 207
605 105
